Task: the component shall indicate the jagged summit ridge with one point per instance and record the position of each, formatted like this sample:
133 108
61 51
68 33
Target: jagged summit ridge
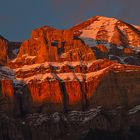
71 80
69 68
110 30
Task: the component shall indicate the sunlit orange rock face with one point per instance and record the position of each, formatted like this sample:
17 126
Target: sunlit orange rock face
8 50
62 70
102 48
66 87
44 91
109 30
93 85
7 92
7 88
128 51
49 44
3 51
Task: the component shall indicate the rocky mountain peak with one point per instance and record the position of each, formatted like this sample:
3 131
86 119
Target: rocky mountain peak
71 80
75 59
109 30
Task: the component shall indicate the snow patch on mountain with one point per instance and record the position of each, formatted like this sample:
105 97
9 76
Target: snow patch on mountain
134 110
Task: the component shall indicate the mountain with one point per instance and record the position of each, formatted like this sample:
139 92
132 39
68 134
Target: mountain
73 81
119 38
109 30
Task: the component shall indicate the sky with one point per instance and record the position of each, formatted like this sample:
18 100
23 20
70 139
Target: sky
19 17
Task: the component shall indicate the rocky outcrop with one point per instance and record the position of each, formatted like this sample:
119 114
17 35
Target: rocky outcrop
63 60
53 91
3 51
13 49
110 30
71 80
7 93
48 44
8 50
97 123
128 51
119 38
116 87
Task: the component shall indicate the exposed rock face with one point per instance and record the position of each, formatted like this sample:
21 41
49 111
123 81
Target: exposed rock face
96 123
48 44
116 86
102 48
13 49
128 51
61 60
8 50
7 92
108 30
3 51
117 36
100 80
71 71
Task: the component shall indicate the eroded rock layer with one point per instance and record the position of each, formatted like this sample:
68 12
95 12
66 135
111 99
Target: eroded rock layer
71 72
